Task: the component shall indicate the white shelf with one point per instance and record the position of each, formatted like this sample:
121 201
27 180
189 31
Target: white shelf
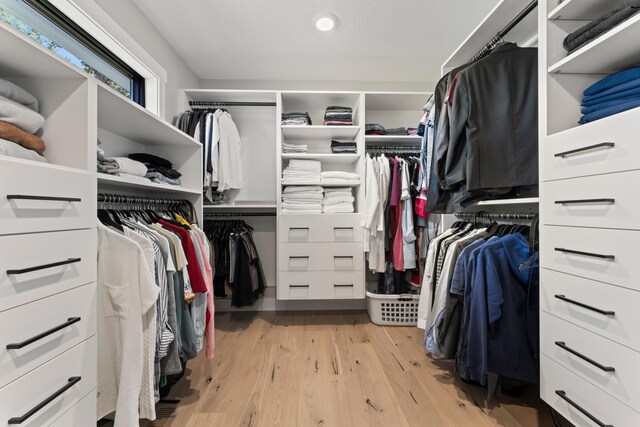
123 117
118 182
317 132
223 95
522 201
324 184
332 158
583 9
243 205
614 51
393 139
396 101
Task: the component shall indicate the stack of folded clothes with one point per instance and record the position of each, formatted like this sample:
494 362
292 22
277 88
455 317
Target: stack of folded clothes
343 147
123 167
601 25
19 121
338 116
612 95
159 170
296 119
294 148
302 171
337 200
374 129
302 199
339 177
396 131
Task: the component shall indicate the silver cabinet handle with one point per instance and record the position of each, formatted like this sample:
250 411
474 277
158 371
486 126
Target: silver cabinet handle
604 145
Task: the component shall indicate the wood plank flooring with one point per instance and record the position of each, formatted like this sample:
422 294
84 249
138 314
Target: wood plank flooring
333 369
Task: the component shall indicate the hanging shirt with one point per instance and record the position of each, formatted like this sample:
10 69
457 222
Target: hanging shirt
230 155
408 236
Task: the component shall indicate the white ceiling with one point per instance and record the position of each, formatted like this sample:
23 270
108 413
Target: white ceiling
376 40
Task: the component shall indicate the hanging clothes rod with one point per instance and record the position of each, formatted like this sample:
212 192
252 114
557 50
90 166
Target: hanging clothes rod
231 216
230 104
496 216
502 33
396 148
119 200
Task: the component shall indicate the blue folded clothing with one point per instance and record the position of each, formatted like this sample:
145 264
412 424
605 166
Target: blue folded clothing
612 81
606 112
607 104
610 95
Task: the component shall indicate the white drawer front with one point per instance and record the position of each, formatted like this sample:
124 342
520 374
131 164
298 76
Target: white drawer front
20 215
609 411
28 251
81 414
317 285
612 367
566 296
321 257
607 201
320 228
21 396
73 312
618 130
609 256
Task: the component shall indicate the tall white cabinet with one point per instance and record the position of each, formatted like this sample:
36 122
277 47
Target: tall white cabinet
590 225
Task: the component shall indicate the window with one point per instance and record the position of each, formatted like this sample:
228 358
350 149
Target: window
55 31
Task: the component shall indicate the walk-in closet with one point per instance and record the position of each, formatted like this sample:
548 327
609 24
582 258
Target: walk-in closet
359 214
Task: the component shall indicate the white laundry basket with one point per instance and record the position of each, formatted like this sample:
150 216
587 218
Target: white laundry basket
393 310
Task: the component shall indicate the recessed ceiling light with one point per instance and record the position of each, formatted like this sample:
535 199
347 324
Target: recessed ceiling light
325 22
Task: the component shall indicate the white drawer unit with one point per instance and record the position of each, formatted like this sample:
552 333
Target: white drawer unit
321 257
604 146
38 198
330 228
607 201
80 414
316 285
48 327
579 401
609 311
44 394
609 256
611 367
34 266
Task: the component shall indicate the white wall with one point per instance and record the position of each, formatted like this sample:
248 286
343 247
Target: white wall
319 85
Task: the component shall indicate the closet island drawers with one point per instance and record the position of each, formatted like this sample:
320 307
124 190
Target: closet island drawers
330 228
611 367
34 266
321 285
608 201
47 328
570 395
38 197
605 146
607 310
67 378
609 256
321 256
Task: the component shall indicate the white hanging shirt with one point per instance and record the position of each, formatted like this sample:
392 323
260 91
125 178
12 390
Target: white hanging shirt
230 154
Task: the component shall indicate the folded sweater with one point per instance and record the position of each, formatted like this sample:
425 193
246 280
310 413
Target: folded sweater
25 139
19 115
17 94
116 165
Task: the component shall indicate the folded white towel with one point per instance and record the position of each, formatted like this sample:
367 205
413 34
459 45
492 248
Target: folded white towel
17 94
116 165
9 148
19 115
313 165
302 196
293 181
337 200
338 190
340 175
302 206
313 211
303 189
341 208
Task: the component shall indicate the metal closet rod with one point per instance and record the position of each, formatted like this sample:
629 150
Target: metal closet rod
393 148
120 199
492 216
510 26
231 104
228 216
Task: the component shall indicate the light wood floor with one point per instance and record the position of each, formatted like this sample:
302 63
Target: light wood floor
333 369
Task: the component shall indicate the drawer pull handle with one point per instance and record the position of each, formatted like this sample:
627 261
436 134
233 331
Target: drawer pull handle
586 201
44 198
299 257
44 266
591 254
19 420
606 145
298 286
342 286
343 256
563 395
588 307
298 228
564 346
70 321
343 228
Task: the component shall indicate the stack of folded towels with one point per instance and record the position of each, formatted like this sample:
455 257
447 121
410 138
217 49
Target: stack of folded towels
339 177
296 119
302 171
338 116
343 147
337 200
159 170
294 148
302 199
19 121
612 95
374 129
